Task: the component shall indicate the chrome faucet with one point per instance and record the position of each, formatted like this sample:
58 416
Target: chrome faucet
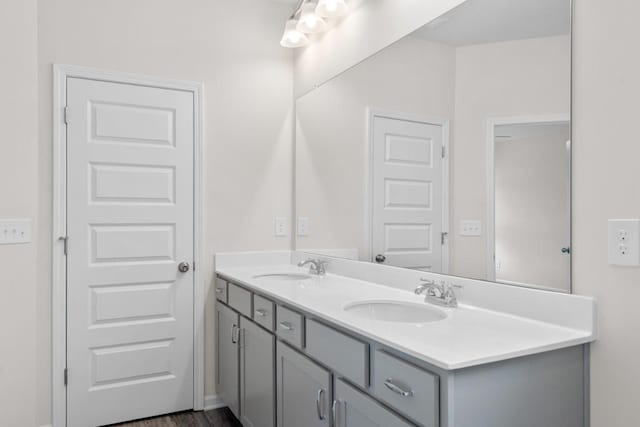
440 294
316 266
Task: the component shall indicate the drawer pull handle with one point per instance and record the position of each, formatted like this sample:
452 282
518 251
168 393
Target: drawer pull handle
219 290
261 313
319 405
286 326
396 389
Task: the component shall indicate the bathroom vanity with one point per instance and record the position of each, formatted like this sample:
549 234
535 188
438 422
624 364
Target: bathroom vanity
296 349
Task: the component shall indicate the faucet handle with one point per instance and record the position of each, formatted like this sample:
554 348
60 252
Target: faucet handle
428 281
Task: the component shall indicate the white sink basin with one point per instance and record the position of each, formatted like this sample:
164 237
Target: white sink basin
395 311
283 276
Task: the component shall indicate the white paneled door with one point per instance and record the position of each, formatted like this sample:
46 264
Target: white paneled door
130 189
407 193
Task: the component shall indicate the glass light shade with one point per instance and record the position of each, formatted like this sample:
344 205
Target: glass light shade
292 37
309 21
331 8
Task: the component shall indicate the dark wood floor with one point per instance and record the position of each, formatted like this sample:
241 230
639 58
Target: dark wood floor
215 418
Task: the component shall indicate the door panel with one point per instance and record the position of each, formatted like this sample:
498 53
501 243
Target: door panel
130 222
257 376
304 390
407 193
228 360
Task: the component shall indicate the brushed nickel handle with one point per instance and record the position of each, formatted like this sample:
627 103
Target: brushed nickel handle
262 313
286 326
319 404
396 389
219 290
334 413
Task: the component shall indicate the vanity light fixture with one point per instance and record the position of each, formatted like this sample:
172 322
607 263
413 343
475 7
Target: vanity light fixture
332 8
308 19
293 37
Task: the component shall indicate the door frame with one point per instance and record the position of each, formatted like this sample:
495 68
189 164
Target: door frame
372 114
59 218
492 122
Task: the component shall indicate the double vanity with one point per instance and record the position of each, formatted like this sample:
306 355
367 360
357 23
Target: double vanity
356 346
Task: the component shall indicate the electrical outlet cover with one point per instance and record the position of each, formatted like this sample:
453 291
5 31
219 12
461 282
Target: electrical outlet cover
624 242
303 226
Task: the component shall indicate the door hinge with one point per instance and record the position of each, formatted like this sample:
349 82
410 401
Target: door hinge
443 235
444 152
65 242
66 376
66 115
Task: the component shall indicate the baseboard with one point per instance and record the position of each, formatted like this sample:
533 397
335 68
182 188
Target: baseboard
213 401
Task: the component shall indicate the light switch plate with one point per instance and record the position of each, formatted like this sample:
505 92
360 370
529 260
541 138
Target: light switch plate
15 231
470 228
624 242
280 226
303 226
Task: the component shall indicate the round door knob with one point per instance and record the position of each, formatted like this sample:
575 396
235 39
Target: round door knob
380 258
566 250
183 267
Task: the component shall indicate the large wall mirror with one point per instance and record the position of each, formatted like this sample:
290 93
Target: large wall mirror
448 151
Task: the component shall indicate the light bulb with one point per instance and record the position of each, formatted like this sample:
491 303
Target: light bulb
331 8
309 21
292 37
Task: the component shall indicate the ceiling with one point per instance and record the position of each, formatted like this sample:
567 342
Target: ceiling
292 3
491 21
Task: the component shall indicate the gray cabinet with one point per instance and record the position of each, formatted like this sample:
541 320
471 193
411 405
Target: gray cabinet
304 390
228 358
353 408
407 388
289 369
257 375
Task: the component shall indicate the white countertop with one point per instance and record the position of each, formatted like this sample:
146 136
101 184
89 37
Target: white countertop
469 336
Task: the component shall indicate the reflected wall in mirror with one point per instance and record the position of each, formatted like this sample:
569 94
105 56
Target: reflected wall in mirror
449 151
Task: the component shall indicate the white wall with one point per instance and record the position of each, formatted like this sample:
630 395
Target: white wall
230 45
18 190
371 26
516 78
332 149
607 185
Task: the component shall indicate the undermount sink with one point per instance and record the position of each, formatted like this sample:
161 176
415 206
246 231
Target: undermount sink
395 311
283 276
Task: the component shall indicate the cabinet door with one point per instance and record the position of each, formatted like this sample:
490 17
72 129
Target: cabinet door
303 390
228 357
353 408
257 375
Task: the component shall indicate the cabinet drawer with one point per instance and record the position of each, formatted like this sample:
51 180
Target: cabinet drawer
342 353
289 326
355 409
263 312
221 289
411 390
239 299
